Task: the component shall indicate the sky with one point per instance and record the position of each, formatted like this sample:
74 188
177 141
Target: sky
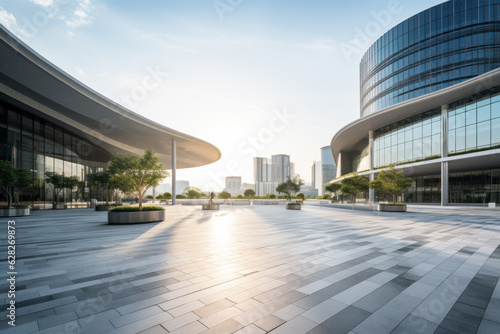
252 77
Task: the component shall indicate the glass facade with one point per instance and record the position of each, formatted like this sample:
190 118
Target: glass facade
437 48
476 187
415 138
40 146
474 123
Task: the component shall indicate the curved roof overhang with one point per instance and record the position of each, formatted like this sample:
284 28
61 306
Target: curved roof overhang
30 81
347 137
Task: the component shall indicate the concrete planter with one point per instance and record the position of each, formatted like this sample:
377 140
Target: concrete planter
293 206
14 211
392 208
136 217
210 206
59 206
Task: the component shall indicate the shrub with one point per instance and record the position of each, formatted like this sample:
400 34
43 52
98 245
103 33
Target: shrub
180 196
137 209
271 196
393 204
239 197
326 196
224 195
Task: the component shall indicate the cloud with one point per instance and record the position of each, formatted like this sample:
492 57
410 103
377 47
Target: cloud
7 20
81 15
43 3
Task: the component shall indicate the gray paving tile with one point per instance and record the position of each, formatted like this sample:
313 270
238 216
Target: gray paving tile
428 271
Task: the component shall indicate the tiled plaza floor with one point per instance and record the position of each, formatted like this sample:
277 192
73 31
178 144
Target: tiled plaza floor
257 269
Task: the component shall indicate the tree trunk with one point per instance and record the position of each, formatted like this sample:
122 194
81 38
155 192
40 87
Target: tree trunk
139 192
393 199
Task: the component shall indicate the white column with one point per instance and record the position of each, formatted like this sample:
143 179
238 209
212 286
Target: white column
371 138
444 184
174 169
444 154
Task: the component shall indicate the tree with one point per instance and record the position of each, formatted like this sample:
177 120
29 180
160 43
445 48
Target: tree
60 182
249 193
239 196
193 193
354 185
391 182
271 196
301 196
12 177
180 196
333 187
136 174
167 196
290 187
149 197
103 180
224 195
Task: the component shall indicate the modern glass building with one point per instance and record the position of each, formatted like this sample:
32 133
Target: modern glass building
50 122
430 104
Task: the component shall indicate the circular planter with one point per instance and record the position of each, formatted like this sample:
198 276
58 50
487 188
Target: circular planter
293 206
392 208
14 211
210 206
136 217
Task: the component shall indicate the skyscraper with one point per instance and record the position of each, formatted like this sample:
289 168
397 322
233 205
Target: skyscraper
280 168
328 168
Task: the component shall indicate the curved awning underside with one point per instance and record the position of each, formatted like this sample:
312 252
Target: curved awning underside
347 137
30 81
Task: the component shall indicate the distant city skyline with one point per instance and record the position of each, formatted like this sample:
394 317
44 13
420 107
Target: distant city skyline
253 80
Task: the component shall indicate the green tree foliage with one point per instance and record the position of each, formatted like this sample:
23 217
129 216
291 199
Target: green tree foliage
249 193
301 196
193 194
354 185
180 196
325 196
60 182
290 187
333 187
271 196
149 197
12 177
136 174
391 182
167 196
103 180
224 195
239 197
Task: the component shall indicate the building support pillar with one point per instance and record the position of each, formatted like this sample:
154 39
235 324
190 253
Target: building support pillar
371 139
444 183
371 192
174 170
444 154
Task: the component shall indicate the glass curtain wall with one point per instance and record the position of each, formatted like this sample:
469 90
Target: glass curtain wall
40 146
437 48
415 138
